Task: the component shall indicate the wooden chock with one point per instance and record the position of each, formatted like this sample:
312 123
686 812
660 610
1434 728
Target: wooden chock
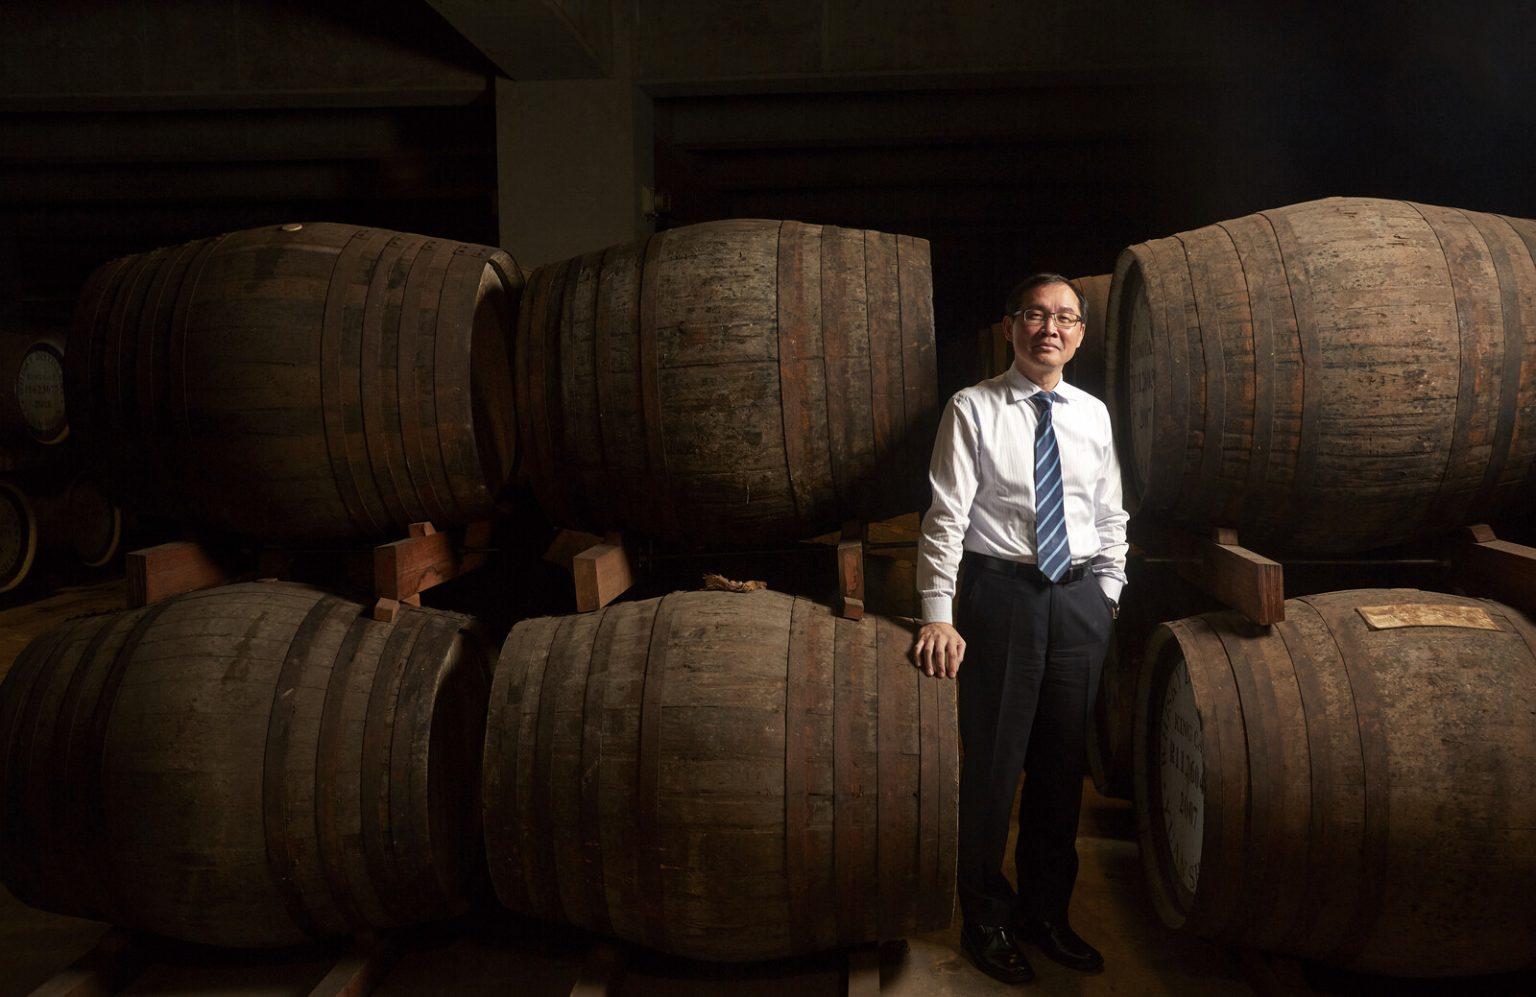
863 971
1250 583
360 970
169 569
850 570
1494 568
601 574
402 570
603 970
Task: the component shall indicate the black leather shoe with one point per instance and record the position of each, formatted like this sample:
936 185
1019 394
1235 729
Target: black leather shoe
1060 943
995 951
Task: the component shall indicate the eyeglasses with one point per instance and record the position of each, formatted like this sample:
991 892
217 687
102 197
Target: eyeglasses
1034 318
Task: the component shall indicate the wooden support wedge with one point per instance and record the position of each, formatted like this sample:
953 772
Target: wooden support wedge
405 568
602 972
1250 583
601 574
850 570
1496 568
359 971
863 971
159 572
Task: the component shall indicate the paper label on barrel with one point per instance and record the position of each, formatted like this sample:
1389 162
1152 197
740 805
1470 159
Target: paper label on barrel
40 392
1426 615
1181 775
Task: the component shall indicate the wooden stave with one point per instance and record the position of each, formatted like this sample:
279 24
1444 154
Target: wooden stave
126 845
1311 854
1298 453
899 863
180 461
715 463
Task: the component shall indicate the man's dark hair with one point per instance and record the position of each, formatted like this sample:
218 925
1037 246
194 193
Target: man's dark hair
1016 296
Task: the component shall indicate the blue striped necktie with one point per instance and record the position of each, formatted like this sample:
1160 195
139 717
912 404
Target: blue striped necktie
1052 555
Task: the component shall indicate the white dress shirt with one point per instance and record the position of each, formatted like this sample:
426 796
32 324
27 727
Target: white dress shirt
983 477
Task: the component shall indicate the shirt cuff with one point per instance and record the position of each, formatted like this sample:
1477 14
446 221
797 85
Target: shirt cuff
938 609
1111 587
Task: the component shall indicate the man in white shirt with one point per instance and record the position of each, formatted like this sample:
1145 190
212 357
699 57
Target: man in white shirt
1026 511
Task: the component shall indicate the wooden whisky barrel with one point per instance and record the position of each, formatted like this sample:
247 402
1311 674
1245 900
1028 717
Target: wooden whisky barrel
1355 785
247 766
722 776
32 388
309 381
18 536
731 382
1086 370
1154 594
1349 353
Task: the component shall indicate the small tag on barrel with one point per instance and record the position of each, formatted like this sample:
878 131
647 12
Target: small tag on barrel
1426 615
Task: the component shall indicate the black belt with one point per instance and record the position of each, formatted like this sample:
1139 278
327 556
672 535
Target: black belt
1024 569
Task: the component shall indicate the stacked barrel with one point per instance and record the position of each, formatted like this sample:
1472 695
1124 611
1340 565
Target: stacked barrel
1350 785
726 776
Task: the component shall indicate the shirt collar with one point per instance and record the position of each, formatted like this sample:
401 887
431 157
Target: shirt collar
1020 387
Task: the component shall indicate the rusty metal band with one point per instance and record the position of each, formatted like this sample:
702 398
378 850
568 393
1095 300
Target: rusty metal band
1171 376
793 317
412 848
797 800
91 789
894 804
331 747
1304 476
599 918
1248 656
929 840
1372 859
377 428
1514 325
1255 495
284 842
852 840
333 386
1208 319
539 848
413 354
649 849
180 337
376 778
657 476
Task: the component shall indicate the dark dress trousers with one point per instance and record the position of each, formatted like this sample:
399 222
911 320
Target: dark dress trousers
1026 688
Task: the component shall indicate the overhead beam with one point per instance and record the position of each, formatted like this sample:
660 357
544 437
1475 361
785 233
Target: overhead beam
536 39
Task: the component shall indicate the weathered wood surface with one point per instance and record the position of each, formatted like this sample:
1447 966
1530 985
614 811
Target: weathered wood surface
245 766
1156 593
731 382
722 776
1366 798
308 381
1328 377
1086 370
44 515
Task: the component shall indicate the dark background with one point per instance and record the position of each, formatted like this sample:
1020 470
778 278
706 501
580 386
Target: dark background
1014 136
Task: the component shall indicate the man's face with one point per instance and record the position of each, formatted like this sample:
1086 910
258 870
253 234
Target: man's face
1046 346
